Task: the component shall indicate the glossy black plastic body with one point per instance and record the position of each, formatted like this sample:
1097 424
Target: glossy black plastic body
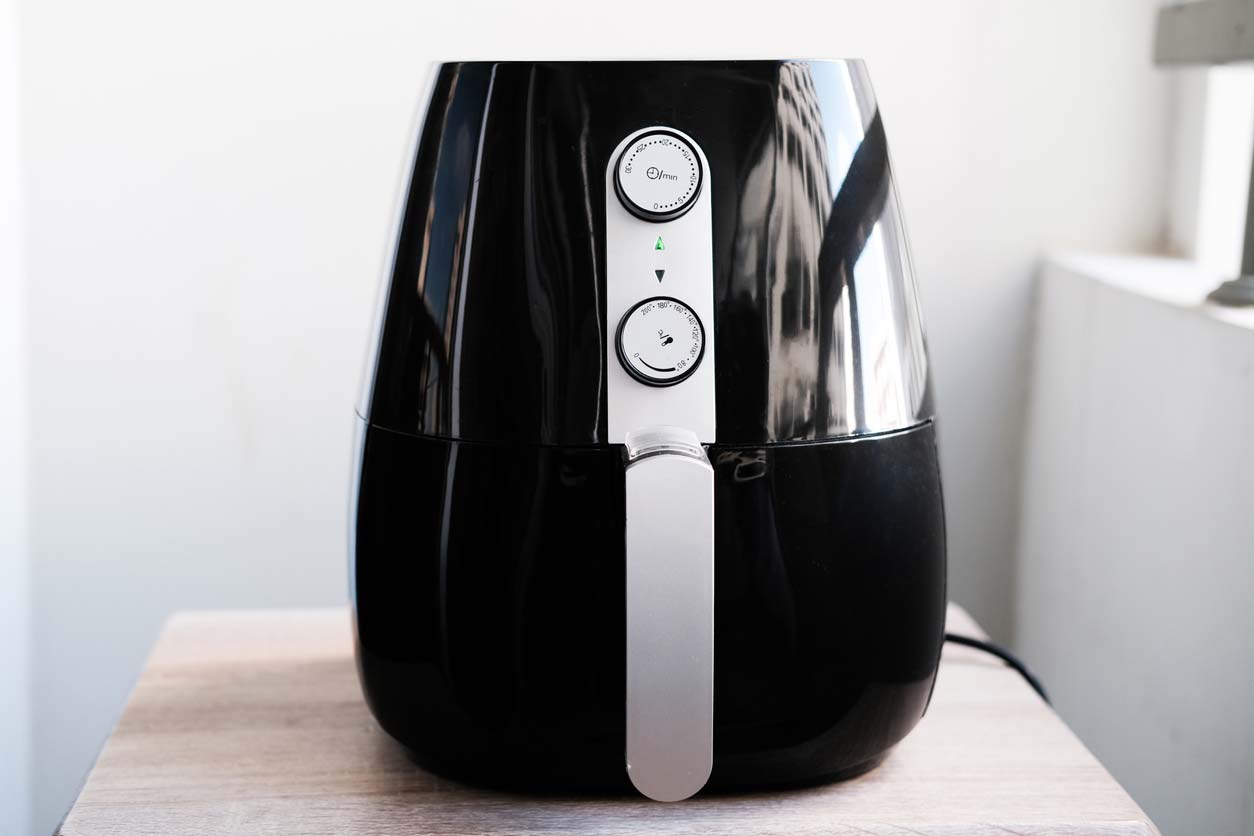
490 617
488 548
494 327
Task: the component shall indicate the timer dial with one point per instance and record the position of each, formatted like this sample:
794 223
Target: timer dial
658 176
660 341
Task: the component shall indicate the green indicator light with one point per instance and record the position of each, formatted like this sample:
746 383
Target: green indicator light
659 245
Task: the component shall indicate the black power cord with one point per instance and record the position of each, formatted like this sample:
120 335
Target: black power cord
1006 656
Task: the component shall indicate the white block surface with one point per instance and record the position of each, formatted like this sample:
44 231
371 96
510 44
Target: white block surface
1136 576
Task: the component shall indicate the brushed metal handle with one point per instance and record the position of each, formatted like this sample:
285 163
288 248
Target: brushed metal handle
670 613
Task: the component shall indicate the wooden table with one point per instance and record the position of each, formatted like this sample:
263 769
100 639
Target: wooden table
253 723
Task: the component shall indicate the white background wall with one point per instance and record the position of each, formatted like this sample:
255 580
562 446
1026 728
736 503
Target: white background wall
206 195
14 592
1212 131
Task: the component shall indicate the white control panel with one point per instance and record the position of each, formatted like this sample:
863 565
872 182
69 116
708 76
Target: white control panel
659 286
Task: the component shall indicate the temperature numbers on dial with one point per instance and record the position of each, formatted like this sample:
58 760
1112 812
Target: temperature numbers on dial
660 341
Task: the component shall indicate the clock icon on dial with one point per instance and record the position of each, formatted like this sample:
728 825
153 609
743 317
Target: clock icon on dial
658 176
660 341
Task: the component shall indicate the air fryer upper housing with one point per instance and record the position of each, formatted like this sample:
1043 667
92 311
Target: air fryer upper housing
591 251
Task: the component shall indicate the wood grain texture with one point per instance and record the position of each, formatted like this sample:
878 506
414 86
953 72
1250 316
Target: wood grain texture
253 723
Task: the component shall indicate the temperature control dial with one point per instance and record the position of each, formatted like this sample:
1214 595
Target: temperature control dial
658 176
660 341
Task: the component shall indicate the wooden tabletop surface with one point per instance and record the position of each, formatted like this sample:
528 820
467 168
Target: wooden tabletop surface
253 723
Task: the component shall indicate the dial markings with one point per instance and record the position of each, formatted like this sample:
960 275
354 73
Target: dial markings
660 341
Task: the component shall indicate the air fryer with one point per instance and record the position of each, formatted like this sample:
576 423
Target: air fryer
648 490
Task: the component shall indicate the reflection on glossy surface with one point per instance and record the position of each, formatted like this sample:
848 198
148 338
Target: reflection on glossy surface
835 291
492 330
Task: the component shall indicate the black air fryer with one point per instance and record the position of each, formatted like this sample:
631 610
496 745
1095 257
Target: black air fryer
648 489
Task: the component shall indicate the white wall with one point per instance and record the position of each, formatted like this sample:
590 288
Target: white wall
1212 132
14 589
207 191
1137 561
